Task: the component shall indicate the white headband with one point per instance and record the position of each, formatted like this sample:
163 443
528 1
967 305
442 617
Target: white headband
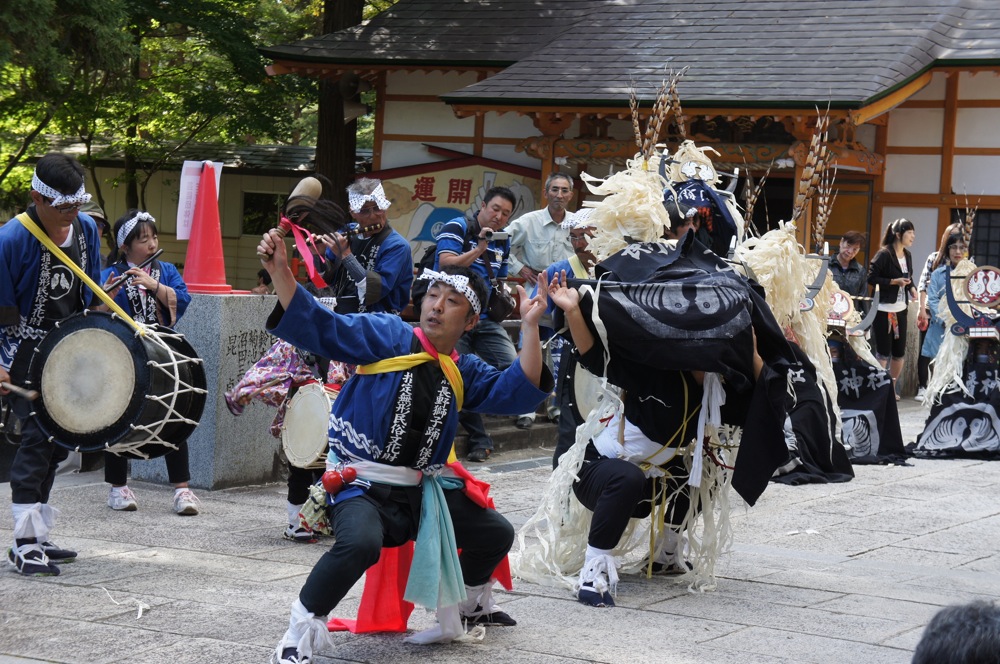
458 282
578 219
130 224
79 198
356 201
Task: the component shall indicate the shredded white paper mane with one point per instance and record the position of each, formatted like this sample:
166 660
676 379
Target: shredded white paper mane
947 368
632 207
783 271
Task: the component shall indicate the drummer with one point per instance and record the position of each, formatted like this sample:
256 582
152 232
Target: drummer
152 294
399 469
29 307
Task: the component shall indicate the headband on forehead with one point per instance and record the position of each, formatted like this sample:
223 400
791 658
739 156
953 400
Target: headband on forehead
131 223
457 281
356 201
578 219
79 198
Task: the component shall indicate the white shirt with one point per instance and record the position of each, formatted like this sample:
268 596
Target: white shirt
537 241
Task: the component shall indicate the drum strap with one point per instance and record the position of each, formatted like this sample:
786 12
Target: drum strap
47 242
430 354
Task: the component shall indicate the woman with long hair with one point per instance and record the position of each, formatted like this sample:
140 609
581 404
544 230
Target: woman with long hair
890 270
923 315
950 254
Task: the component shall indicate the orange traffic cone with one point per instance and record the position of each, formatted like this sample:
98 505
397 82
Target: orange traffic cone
205 266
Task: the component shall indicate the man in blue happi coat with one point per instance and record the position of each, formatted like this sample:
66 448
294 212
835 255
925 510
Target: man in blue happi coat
394 424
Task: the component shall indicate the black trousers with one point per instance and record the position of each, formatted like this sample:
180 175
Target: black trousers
178 472
616 490
34 468
390 516
300 480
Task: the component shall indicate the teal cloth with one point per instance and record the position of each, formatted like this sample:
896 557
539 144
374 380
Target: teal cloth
435 578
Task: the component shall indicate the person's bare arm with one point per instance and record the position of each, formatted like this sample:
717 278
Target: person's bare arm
568 299
274 258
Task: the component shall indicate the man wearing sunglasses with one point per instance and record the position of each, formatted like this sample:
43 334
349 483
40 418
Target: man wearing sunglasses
36 291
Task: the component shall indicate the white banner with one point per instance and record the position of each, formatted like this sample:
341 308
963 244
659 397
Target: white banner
190 178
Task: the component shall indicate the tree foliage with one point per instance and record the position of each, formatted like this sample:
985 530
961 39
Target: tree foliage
144 78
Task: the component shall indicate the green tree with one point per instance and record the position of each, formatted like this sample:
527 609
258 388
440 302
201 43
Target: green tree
47 48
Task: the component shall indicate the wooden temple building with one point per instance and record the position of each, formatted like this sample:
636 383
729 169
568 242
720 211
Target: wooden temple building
517 89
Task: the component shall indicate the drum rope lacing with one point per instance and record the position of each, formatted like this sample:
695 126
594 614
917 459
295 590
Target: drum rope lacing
172 371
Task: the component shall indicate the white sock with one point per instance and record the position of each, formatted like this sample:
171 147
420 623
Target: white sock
293 514
594 552
117 490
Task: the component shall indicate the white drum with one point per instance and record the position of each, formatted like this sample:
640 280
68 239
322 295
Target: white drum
306 427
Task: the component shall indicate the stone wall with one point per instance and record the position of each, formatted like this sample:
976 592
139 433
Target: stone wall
228 333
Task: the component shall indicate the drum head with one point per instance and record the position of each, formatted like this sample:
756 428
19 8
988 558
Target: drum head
92 374
306 427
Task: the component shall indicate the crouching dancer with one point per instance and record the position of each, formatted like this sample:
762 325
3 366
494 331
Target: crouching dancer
392 428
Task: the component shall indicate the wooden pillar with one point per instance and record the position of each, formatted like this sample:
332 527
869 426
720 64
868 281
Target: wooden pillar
552 126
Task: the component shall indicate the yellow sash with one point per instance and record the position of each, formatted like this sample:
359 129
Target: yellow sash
579 271
77 270
404 362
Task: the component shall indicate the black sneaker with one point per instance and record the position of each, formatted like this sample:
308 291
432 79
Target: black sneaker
57 555
497 618
29 560
589 595
673 568
290 656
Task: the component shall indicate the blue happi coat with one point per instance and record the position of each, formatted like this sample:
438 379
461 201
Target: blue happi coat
361 415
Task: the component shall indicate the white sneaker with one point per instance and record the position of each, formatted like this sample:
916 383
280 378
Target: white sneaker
921 393
122 499
185 502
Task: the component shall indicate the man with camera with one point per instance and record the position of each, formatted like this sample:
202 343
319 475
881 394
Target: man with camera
371 268
482 245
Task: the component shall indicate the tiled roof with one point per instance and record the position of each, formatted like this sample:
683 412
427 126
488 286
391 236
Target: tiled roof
748 52
263 158
466 32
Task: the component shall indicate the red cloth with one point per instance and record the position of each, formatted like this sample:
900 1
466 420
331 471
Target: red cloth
383 608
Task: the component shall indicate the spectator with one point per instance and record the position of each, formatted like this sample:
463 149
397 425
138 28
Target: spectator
890 270
263 286
101 219
577 266
537 240
845 269
965 634
949 255
464 243
923 315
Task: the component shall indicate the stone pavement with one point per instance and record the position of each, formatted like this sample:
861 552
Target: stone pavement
823 573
